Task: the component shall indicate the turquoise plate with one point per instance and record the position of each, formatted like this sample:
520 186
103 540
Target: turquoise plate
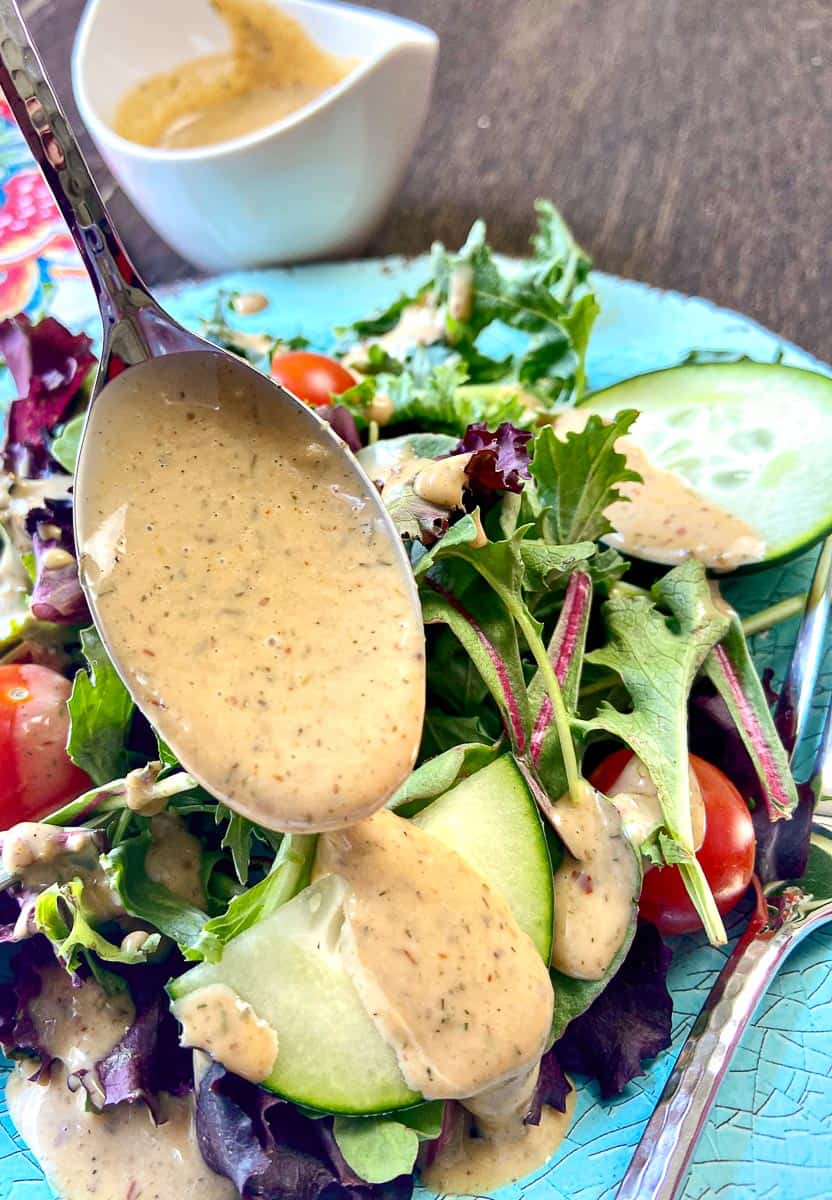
770 1134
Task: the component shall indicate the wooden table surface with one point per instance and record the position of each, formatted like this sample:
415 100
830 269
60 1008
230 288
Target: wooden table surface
688 142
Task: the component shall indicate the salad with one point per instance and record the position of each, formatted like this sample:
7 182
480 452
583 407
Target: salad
200 1004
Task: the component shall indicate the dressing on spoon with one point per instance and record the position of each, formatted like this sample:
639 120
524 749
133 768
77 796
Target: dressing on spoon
250 591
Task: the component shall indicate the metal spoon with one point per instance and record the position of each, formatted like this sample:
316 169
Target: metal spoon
137 329
661 1159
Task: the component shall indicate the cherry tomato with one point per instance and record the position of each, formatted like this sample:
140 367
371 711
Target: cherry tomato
311 377
36 773
726 854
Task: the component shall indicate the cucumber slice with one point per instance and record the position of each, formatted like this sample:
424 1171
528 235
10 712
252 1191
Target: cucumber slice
491 820
330 1055
755 438
287 967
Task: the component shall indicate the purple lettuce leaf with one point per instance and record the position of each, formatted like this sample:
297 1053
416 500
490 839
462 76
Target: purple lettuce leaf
453 1129
552 1088
782 846
18 1033
499 461
343 423
628 1022
271 1151
57 594
148 1059
48 364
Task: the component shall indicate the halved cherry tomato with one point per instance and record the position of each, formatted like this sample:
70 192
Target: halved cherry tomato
311 377
36 773
726 854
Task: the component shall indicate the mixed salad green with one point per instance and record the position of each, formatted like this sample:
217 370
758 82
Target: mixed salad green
552 660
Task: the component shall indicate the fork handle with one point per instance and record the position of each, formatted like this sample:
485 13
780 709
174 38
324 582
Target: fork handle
666 1147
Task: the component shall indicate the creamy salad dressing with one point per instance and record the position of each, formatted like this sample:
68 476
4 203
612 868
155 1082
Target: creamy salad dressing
449 978
40 855
439 481
118 1154
634 795
258 617
272 69
666 521
419 324
174 859
597 886
78 1025
476 1166
216 1020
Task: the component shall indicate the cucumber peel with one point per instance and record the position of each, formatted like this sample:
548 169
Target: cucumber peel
755 438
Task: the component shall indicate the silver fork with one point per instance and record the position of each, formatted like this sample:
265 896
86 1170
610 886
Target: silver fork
661 1159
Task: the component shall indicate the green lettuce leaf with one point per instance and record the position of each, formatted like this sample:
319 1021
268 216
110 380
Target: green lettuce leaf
577 478
500 565
64 448
289 873
438 775
142 897
62 916
100 712
378 1149
658 657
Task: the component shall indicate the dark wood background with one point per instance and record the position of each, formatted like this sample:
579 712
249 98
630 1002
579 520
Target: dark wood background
689 142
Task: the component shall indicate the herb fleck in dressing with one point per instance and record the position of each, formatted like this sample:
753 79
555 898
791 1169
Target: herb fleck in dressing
272 69
249 594
450 980
216 1020
118 1154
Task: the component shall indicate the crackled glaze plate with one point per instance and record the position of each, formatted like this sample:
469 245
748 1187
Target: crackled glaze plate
770 1134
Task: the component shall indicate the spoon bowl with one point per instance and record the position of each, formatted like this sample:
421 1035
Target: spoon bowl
184 441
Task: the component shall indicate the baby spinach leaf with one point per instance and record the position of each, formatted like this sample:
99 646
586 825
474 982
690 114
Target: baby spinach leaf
577 477
444 731
100 712
545 565
658 657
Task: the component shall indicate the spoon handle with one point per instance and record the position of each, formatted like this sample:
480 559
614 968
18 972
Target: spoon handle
670 1136
135 328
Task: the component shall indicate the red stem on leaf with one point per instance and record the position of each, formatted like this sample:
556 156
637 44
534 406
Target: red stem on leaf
777 801
562 649
516 731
